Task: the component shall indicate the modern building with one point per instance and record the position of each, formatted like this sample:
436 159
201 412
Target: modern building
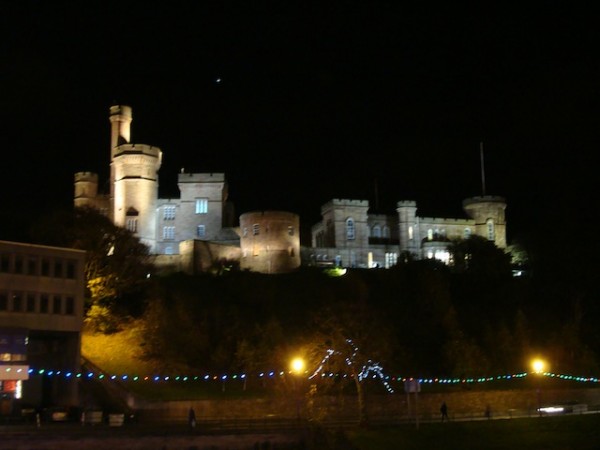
41 317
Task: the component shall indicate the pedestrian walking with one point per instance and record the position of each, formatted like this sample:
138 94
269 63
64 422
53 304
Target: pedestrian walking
192 418
444 411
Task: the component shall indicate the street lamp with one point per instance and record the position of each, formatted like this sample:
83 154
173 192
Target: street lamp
538 366
297 367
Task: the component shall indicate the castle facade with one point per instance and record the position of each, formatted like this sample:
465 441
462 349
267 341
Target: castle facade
195 231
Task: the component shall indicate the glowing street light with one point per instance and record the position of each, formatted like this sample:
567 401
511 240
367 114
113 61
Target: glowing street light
297 365
538 365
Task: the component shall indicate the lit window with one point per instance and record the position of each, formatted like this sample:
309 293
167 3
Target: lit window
410 232
256 229
467 233
391 259
201 205
350 229
430 235
491 235
131 225
201 231
169 213
168 233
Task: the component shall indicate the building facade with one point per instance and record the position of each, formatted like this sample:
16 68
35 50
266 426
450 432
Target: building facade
349 236
192 232
41 317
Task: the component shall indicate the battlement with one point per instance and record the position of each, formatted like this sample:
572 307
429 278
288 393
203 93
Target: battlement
406 204
89 177
120 110
483 199
137 149
200 177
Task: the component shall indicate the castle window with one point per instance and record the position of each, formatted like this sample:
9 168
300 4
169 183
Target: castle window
131 224
291 230
491 235
169 213
467 233
430 235
391 259
168 233
200 231
410 233
169 250
386 232
201 205
256 229
32 265
350 232
376 231
245 232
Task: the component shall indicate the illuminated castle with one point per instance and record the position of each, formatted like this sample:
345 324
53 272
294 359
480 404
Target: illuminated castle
351 237
192 232
195 232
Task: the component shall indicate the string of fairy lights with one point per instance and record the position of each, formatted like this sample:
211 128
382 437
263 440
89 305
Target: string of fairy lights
372 371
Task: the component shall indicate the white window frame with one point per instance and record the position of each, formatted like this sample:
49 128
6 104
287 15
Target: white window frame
169 212
201 231
350 229
168 233
201 206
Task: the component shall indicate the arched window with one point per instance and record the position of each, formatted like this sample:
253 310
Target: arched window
467 233
376 231
386 232
350 232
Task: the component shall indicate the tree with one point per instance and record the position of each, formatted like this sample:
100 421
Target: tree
350 339
479 257
117 263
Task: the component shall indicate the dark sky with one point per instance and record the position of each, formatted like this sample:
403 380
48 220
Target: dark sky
301 104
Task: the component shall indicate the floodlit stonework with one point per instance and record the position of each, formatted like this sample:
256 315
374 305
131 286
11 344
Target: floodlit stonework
195 231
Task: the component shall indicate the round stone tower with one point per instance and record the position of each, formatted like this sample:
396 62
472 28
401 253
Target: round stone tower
270 241
488 213
134 178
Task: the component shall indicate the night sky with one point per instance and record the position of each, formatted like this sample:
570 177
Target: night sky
300 104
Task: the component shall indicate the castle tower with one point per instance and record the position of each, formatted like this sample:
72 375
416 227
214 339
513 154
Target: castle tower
488 213
134 179
86 189
409 233
270 241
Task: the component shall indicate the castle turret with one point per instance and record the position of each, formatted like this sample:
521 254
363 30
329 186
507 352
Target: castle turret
488 213
409 233
86 189
134 178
